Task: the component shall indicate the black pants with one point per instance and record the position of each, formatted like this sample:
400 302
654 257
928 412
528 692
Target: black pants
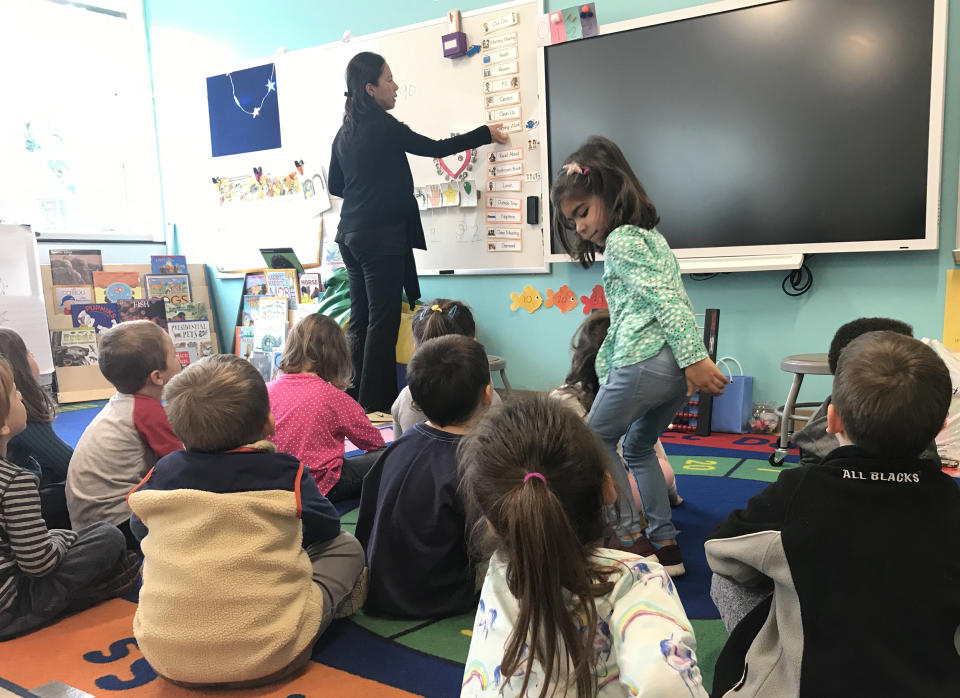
354 469
376 285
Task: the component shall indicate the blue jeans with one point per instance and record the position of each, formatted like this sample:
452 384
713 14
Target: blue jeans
637 404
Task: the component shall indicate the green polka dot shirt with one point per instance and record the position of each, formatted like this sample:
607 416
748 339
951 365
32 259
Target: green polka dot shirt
648 304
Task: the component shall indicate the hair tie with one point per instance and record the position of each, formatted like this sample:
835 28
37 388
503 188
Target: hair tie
346 94
436 307
574 168
536 475
453 311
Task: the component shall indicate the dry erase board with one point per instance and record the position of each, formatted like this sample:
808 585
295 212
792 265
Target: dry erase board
439 96
21 293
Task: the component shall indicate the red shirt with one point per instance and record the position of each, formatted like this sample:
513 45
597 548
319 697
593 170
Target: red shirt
313 418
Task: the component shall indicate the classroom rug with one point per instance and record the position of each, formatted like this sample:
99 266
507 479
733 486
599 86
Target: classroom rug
95 652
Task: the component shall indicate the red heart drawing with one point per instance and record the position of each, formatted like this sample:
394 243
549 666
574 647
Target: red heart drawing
466 157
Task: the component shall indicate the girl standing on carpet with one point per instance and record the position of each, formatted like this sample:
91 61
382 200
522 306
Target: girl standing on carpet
313 414
580 388
653 356
558 614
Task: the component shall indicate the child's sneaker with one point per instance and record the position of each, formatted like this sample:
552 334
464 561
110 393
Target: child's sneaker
354 601
641 546
669 556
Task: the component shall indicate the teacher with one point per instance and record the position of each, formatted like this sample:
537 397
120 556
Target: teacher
380 220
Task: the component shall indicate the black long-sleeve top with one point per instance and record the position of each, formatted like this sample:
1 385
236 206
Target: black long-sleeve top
370 171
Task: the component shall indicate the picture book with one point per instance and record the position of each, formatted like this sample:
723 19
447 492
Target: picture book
283 283
113 286
98 316
255 284
76 347
168 264
263 362
191 340
281 258
251 310
243 342
64 296
74 267
173 288
311 288
152 309
270 324
180 312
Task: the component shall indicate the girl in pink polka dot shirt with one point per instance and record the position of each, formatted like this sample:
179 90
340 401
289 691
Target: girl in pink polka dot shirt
314 415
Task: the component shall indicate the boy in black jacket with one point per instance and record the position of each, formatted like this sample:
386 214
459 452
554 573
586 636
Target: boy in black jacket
859 607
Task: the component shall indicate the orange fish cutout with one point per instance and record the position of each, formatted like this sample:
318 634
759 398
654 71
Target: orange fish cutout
529 299
597 299
564 299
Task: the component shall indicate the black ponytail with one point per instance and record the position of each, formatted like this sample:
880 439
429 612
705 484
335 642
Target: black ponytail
363 69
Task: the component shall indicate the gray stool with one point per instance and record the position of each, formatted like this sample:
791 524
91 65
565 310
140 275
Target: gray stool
498 363
799 365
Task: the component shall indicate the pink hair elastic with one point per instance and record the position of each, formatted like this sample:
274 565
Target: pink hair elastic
536 475
575 168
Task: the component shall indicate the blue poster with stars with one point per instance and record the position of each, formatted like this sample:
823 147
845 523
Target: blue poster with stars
244 115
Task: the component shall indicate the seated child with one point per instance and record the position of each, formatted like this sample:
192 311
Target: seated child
44 574
313 413
437 318
559 614
131 432
813 440
38 443
244 561
863 607
582 385
412 521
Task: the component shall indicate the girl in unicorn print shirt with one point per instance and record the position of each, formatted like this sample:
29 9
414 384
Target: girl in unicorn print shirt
558 614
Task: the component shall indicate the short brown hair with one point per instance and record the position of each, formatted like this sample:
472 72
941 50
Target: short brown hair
6 386
130 352
317 344
892 393
217 404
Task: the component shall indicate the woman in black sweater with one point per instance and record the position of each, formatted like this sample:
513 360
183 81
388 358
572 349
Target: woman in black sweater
379 219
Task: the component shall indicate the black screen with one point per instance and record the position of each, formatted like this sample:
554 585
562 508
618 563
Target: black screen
796 122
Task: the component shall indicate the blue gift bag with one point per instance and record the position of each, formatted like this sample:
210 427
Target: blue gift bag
731 411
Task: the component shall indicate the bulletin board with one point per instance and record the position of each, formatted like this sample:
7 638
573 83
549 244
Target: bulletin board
438 96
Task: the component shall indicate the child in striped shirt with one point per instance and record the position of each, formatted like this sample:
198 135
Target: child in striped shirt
44 574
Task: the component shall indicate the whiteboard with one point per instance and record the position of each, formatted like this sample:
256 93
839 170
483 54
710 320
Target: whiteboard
438 96
21 294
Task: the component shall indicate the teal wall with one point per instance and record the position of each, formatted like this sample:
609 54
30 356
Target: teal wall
758 323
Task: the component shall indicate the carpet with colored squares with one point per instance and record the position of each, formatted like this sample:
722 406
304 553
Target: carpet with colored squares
94 652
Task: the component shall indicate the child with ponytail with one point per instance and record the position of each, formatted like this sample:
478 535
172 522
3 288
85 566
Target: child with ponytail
653 356
558 614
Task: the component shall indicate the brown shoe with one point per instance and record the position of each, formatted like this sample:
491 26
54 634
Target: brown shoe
640 546
669 556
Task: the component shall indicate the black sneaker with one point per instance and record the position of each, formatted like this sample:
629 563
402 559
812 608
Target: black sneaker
669 556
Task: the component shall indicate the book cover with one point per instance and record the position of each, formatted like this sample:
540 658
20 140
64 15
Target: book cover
180 312
255 284
281 258
263 362
76 347
311 288
283 283
168 264
270 324
251 310
173 288
98 316
243 342
74 267
64 296
152 309
191 340
113 286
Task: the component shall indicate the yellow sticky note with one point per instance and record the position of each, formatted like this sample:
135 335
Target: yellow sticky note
951 310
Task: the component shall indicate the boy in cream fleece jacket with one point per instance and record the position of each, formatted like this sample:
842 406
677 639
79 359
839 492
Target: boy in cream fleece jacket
244 561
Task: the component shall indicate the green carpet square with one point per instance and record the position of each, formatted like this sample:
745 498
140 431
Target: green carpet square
702 465
350 517
385 627
753 469
448 638
711 637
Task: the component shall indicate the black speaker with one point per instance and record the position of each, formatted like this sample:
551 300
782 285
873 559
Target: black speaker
533 210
